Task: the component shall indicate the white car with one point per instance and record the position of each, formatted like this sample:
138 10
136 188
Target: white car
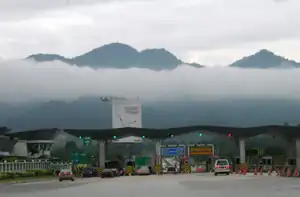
221 166
143 171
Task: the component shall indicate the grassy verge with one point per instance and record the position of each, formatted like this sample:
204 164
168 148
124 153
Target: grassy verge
27 179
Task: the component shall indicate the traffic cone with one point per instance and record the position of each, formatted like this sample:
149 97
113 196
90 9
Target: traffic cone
283 171
261 171
288 173
255 171
269 172
296 173
241 171
236 171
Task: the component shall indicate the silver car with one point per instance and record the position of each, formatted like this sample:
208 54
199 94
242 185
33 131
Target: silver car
221 166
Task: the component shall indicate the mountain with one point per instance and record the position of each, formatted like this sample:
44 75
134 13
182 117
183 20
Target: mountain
194 64
265 59
158 58
48 58
121 56
90 113
115 55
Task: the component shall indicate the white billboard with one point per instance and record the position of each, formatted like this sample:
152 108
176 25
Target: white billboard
127 113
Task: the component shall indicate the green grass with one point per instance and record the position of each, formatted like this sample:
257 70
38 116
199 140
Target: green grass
27 179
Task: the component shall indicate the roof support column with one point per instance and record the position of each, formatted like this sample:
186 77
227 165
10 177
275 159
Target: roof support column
298 153
242 147
290 151
101 146
158 151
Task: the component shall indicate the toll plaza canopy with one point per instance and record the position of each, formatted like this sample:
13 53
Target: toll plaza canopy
39 134
107 134
3 130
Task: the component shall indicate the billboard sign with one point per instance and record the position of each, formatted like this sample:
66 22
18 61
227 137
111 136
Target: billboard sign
126 113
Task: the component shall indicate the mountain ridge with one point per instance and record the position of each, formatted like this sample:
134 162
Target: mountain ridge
121 56
90 113
265 59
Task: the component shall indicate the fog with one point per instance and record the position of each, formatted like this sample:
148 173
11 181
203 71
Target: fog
22 80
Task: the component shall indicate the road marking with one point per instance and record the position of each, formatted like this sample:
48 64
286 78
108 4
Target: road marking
34 183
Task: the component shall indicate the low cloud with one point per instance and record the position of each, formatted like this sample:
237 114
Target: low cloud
28 80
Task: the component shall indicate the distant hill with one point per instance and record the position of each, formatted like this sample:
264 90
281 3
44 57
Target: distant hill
48 58
121 56
265 59
91 113
158 58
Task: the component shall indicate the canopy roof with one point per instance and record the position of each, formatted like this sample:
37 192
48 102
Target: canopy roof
284 131
107 134
3 130
39 134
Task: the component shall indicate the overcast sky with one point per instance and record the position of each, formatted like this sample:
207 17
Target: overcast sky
211 32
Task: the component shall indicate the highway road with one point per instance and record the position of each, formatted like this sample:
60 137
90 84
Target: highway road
160 186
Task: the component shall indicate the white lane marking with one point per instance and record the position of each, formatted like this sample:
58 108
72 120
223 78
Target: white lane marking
33 183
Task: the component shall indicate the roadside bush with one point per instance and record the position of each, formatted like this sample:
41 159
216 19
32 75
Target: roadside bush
31 173
8 175
3 176
45 172
40 172
26 174
11 175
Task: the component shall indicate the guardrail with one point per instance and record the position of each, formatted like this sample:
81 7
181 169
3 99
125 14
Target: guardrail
20 166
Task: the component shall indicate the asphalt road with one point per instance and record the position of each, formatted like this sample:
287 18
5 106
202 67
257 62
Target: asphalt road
159 186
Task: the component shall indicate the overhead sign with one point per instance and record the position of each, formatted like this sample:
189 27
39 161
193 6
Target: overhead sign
172 151
201 150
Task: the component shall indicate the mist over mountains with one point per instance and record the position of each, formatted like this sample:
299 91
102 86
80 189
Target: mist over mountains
123 56
50 92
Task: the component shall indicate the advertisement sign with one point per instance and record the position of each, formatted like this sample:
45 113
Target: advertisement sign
172 151
201 150
126 113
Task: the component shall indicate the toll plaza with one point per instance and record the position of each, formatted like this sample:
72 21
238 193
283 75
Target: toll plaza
198 155
171 156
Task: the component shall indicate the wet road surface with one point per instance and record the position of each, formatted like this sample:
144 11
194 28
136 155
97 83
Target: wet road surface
160 186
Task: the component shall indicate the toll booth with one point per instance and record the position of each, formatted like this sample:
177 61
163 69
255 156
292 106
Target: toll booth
200 157
291 162
171 157
266 163
184 166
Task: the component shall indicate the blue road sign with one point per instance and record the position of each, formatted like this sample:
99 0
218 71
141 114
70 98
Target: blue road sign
172 151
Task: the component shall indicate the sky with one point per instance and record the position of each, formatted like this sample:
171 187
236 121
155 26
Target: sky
210 32
30 81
